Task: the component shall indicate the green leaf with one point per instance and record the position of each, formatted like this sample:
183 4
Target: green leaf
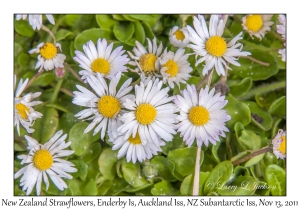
128 17
144 17
81 141
106 21
67 120
104 187
123 31
132 175
72 20
249 46
276 179
162 188
118 186
164 167
44 79
17 49
260 117
92 34
265 100
46 127
242 87
184 160
56 106
238 111
81 167
23 28
107 163
93 153
139 33
119 17
278 107
148 31
250 140
254 160
243 185
89 188
186 187
176 143
240 155
64 34
219 175
23 60
254 70
192 80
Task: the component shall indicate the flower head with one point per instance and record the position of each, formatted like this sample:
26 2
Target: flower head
43 160
179 37
257 25
281 29
49 56
201 116
36 21
104 107
212 47
24 113
279 144
102 60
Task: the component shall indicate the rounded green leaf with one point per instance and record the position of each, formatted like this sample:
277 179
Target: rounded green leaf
265 100
92 34
17 48
119 17
192 81
184 160
64 34
176 143
89 188
186 187
107 163
58 107
23 60
81 167
132 175
250 140
46 127
240 155
254 70
118 186
243 185
254 160
238 111
106 21
278 107
23 28
219 175
93 152
148 30
72 19
128 17
144 17
44 79
260 117
81 141
276 179
66 121
123 31
104 187
241 87
162 188
164 167
139 33
93 170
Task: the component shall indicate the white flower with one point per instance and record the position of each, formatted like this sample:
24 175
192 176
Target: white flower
49 58
282 52
24 113
175 67
281 29
150 114
146 62
257 25
212 47
36 21
101 60
201 117
105 107
279 144
179 37
134 149
45 159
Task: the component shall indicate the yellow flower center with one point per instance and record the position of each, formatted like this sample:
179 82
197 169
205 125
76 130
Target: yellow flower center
198 115
172 68
101 65
42 160
109 106
145 114
136 140
48 51
179 35
254 22
282 147
147 62
22 109
216 46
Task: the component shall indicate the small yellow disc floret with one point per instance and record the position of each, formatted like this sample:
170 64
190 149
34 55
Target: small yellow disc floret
147 62
145 114
109 106
48 51
216 46
101 65
198 115
254 22
43 160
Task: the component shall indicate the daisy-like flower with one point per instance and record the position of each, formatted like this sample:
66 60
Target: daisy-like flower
105 107
133 148
179 37
48 57
24 113
150 114
281 29
201 116
279 144
146 62
101 60
175 67
43 160
36 21
257 25
212 47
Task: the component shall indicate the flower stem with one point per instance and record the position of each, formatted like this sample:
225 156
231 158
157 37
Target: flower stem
50 32
253 154
33 78
205 78
56 91
256 61
73 72
136 82
262 89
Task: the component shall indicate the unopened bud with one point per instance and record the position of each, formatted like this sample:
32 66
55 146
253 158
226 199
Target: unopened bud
60 72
